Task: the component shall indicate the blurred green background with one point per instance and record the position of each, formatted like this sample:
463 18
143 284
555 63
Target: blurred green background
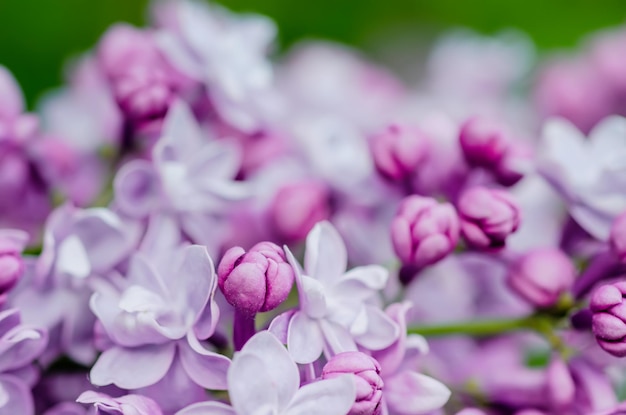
37 36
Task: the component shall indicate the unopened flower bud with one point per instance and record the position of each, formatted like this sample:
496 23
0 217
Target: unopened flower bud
398 151
484 143
369 384
297 207
255 281
541 276
617 237
609 318
424 231
12 242
488 217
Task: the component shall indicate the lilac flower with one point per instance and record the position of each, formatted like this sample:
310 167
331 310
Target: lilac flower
588 173
424 231
608 322
398 151
336 311
488 217
190 178
407 391
225 52
263 379
124 405
159 311
78 245
20 345
541 276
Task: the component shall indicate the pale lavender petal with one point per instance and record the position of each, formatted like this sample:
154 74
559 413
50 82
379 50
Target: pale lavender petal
326 257
181 138
381 332
11 101
411 393
137 188
337 339
133 368
305 340
248 391
15 397
207 408
20 346
329 397
128 404
208 369
279 326
280 370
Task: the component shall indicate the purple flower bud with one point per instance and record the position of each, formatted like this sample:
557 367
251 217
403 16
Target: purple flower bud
369 384
424 231
617 237
11 264
541 276
488 217
609 318
297 207
560 386
257 280
484 142
398 151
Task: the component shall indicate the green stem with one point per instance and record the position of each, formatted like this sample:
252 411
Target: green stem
480 328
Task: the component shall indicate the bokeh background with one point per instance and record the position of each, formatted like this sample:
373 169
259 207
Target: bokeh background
38 36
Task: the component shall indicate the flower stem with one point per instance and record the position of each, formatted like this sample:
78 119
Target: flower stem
480 328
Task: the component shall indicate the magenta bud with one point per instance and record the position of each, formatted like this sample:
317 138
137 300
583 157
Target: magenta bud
424 231
609 318
488 217
398 151
12 242
297 207
255 281
369 384
484 142
541 276
560 386
617 237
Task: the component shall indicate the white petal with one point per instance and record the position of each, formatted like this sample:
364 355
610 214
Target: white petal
381 332
326 257
329 397
411 393
304 339
72 258
207 408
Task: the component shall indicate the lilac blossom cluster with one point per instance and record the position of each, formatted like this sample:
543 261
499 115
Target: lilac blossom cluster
192 226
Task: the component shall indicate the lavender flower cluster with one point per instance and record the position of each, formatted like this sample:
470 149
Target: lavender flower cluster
190 227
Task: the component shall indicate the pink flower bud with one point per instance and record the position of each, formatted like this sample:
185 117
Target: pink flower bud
609 318
617 237
369 384
541 276
257 280
424 231
488 217
484 142
297 207
398 151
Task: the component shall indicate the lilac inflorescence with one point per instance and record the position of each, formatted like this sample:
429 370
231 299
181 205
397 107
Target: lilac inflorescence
191 226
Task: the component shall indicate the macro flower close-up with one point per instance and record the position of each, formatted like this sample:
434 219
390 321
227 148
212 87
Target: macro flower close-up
268 207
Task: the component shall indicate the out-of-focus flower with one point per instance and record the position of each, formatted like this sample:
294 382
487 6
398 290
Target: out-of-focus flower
484 143
20 345
336 311
617 236
609 318
297 207
155 314
12 242
255 281
264 379
369 384
124 405
227 53
488 217
541 276
589 173
398 151
424 231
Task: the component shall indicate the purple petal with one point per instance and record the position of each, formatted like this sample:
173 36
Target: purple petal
411 393
279 326
20 346
133 368
137 188
11 101
208 369
15 396
329 397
